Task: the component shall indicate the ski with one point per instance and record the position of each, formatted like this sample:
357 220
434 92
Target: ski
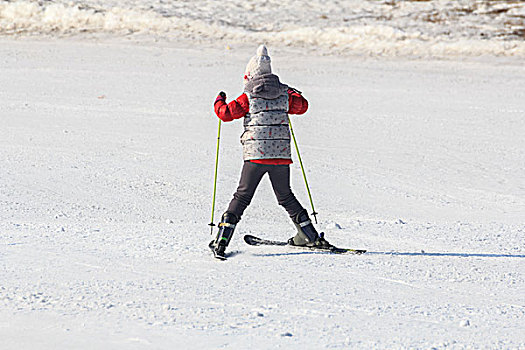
256 241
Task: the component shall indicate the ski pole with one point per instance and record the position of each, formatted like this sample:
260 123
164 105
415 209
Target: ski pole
314 213
215 180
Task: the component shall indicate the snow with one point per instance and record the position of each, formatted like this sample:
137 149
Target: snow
433 28
107 152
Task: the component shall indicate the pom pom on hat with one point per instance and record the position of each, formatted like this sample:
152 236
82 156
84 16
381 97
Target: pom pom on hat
258 64
262 51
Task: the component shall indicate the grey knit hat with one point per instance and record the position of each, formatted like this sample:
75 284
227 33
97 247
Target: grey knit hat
259 64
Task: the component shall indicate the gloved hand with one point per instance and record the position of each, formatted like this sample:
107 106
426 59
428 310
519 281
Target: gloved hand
221 97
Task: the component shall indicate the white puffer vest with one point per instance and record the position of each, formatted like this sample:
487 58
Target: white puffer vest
266 129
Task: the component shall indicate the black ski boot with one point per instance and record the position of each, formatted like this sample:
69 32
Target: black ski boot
307 235
226 228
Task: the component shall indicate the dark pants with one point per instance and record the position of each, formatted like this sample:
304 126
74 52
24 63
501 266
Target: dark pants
251 175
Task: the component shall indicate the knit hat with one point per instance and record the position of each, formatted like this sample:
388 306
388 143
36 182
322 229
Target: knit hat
258 64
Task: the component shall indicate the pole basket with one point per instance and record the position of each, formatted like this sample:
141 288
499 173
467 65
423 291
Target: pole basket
315 216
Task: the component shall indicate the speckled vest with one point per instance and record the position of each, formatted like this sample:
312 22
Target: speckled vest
266 131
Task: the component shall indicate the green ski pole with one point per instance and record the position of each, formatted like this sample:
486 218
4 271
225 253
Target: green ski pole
314 213
215 180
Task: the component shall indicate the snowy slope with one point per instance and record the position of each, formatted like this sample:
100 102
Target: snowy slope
106 168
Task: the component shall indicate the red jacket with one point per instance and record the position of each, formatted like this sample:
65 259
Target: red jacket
239 107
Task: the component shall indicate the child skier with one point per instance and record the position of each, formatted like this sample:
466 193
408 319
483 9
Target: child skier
265 105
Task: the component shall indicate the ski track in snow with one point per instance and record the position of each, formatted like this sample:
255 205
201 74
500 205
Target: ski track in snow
107 153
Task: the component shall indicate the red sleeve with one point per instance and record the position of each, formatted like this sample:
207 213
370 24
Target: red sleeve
234 110
297 104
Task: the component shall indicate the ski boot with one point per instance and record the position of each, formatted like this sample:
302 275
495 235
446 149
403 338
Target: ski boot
307 235
226 228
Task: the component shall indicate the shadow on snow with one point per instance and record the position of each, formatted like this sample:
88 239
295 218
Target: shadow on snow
461 255
233 253
297 253
424 254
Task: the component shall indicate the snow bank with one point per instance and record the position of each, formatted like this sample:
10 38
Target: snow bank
38 18
423 29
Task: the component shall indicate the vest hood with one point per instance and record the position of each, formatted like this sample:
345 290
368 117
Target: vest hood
265 86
